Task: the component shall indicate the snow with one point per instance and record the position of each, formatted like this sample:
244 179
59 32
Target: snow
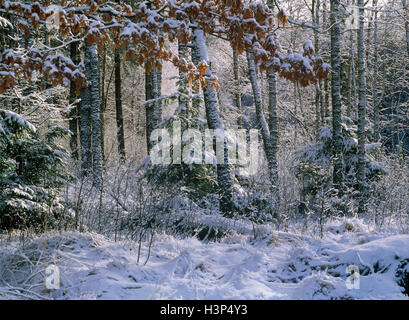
275 265
11 117
308 46
7 73
372 146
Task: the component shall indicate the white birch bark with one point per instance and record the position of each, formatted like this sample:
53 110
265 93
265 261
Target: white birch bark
214 121
270 140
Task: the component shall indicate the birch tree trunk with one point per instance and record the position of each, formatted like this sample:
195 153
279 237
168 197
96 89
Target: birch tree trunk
270 141
214 121
361 110
336 95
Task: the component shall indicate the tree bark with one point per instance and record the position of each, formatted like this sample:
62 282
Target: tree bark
316 20
73 123
237 95
214 121
103 101
375 75
325 94
92 69
182 87
153 113
118 107
406 15
85 130
274 133
158 91
270 141
336 95
353 103
149 108
361 110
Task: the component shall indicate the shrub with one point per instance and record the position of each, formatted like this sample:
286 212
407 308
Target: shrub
31 171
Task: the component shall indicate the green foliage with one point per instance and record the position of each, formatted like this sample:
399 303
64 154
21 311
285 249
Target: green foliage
314 162
31 171
196 180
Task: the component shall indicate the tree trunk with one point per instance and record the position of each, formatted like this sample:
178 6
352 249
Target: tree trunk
353 102
103 101
237 88
274 133
269 140
325 94
73 123
149 108
361 110
316 20
406 15
375 75
118 107
158 91
153 113
85 130
336 95
214 121
182 87
91 65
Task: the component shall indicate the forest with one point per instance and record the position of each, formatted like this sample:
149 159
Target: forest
204 149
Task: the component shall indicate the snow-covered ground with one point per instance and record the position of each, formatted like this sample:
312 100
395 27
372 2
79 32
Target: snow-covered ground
276 265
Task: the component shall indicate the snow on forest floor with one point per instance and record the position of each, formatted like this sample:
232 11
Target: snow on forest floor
277 265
